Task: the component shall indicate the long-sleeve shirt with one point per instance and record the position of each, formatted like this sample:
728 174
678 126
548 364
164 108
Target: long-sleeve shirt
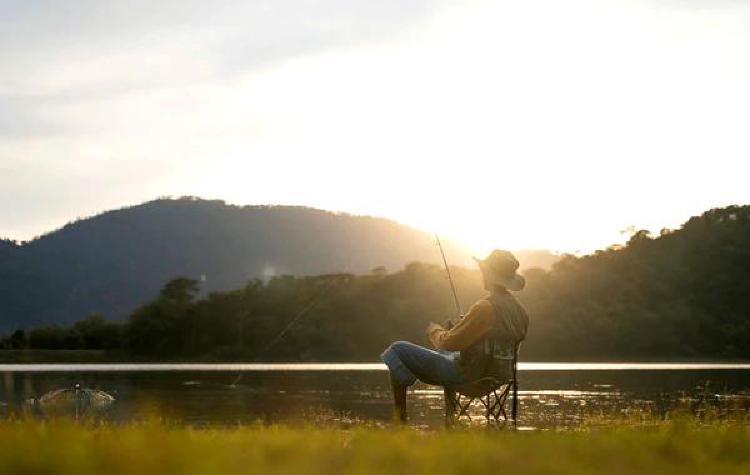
499 313
479 320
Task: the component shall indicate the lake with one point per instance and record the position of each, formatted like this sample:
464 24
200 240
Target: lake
552 394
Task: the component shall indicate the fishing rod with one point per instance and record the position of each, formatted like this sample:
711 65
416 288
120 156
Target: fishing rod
450 278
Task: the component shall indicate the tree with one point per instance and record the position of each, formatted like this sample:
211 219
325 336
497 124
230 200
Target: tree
18 340
97 333
50 337
161 327
180 290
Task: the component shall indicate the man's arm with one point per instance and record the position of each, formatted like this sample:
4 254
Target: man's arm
471 328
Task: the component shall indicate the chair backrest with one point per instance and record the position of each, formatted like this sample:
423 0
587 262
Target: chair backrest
500 358
502 345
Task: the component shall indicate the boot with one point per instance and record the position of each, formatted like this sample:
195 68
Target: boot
399 402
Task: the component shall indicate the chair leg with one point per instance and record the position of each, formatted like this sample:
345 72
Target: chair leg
463 409
514 406
487 409
494 405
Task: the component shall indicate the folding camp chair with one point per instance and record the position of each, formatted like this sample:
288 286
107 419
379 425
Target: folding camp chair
490 392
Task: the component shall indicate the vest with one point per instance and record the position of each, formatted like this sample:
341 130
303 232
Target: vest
493 354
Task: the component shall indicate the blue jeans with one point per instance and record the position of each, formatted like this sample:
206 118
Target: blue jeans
409 362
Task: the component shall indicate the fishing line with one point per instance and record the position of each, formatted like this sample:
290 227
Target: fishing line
317 298
314 301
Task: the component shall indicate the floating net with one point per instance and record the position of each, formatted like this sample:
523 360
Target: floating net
76 401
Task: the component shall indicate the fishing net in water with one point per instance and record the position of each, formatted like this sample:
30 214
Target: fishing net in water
77 402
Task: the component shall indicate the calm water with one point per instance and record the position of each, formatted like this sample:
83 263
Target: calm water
552 394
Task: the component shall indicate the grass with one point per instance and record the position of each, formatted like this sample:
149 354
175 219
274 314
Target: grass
30 447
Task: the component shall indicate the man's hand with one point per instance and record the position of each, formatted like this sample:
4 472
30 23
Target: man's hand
432 327
452 322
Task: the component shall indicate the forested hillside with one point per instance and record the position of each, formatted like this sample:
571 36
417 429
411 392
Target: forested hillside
680 295
113 262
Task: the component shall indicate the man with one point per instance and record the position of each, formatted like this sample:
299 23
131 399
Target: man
476 346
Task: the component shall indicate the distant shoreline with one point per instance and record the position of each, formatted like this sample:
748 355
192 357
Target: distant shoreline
346 367
10 357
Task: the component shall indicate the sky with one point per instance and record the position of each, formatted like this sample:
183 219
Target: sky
534 124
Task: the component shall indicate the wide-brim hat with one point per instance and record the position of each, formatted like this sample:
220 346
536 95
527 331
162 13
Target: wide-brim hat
501 268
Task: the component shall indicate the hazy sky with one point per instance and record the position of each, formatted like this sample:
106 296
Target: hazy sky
538 123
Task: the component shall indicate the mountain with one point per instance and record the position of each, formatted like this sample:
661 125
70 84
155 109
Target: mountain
680 295
113 262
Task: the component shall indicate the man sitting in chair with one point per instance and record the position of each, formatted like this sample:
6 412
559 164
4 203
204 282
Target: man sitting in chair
480 344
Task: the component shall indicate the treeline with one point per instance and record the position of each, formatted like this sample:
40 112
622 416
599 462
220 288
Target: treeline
681 294
92 333
337 317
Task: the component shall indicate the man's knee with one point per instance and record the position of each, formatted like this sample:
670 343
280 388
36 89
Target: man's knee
395 349
394 357
400 346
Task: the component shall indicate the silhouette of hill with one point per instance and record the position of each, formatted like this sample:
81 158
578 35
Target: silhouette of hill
681 295
536 258
113 262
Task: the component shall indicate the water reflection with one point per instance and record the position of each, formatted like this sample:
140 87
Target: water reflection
549 398
305 367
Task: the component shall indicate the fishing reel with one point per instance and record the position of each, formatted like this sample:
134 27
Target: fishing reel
452 322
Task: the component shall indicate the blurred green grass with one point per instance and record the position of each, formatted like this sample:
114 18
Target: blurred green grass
30 447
